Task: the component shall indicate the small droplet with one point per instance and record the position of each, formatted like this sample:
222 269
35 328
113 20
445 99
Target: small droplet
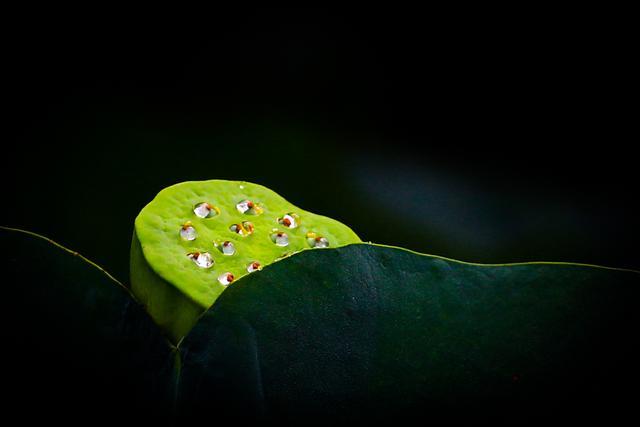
202 259
228 248
316 241
237 228
248 207
280 238
205 210
187 232
321 242
225 278
253 266
248 227
289 220
243 229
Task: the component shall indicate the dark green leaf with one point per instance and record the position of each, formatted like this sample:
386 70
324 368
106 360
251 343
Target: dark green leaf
366 331
75 342
360 332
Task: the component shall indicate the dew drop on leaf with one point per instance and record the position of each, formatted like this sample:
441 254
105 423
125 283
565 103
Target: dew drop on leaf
201 259
248 227
205 210
253 266
316 241
248 207
321 242
225 278
289 220
243 229
237 228
280 238
187 232
228 248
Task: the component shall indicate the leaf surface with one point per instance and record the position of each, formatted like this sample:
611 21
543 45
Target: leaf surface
182 259
367 330
75 341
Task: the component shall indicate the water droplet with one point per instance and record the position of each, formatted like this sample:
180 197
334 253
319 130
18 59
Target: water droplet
321 242
244 206
289 220
243 229
228 248
237 228
280 238
205 210
187 232
202 259
248 207
225 278
253 266
316 241
248 227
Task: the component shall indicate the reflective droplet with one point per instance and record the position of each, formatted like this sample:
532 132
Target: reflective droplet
205 210
244 206
237 228
321 242
316 241
253 266
243 229
280 238
202 259
289 220
225 278
248 207
228 248
187 232
248 227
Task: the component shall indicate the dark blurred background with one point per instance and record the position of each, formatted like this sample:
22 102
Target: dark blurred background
489 138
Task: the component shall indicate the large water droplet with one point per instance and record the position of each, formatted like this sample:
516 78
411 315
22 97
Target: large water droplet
248 207
253 266
225 278
289 220
187 232
205 210
202 259
280 238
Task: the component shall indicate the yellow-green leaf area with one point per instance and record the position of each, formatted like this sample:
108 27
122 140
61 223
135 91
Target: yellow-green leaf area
172 231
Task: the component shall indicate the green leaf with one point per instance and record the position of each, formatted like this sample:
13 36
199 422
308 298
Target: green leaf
196 237
367 330
362 331
76 341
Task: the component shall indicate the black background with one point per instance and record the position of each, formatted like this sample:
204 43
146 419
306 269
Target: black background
499 136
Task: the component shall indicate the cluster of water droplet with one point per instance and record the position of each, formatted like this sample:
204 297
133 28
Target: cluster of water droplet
245 228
